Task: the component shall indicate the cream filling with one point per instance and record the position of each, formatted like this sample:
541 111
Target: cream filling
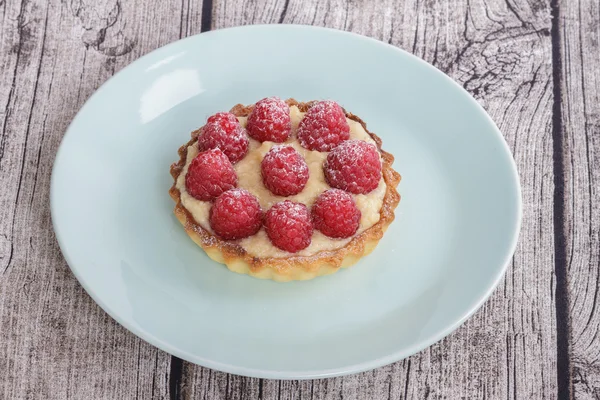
249 178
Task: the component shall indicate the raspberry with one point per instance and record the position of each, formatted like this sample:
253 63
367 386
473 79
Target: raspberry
323 127
270 120
288 226
235 214
335 214
223 131
210 173
353 166
284 171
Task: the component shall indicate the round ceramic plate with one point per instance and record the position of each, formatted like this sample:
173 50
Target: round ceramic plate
455 230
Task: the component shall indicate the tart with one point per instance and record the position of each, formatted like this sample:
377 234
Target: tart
285 190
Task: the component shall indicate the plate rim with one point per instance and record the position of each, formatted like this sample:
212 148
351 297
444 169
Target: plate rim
302 374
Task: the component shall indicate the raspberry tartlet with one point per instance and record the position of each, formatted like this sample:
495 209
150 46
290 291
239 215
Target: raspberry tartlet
285 190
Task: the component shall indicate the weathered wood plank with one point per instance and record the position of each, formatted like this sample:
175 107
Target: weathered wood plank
579 28
501 52
56 342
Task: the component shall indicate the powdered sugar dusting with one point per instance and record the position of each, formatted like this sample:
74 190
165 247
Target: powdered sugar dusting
199 209
270 120
249 177
236 214
354 166
284 171
209 174
237 192
289 226
323 127
335 214
223 131
292 210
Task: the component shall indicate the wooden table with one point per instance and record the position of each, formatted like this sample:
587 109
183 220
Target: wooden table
533 64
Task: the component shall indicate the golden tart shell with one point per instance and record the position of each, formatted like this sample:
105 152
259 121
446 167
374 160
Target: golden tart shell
293 267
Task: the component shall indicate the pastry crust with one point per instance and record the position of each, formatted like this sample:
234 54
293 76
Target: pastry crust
292 267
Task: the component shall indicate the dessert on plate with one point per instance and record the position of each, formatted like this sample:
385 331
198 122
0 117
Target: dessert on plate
285 190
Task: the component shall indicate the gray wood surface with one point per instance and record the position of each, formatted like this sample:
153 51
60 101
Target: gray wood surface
533 64
580 113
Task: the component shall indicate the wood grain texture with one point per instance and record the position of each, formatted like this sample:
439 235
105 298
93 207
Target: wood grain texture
579 28
500 51
56 343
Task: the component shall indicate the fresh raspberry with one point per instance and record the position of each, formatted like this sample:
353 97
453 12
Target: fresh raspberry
353 166
335 214
288 226
270 121
235 214
323 127
284 171
223 131
210 173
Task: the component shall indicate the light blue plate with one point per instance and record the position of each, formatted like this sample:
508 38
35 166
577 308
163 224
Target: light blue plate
455 231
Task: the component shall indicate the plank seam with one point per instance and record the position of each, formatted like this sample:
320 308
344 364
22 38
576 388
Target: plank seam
285 7
175 378
176 375
206 21
563 325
